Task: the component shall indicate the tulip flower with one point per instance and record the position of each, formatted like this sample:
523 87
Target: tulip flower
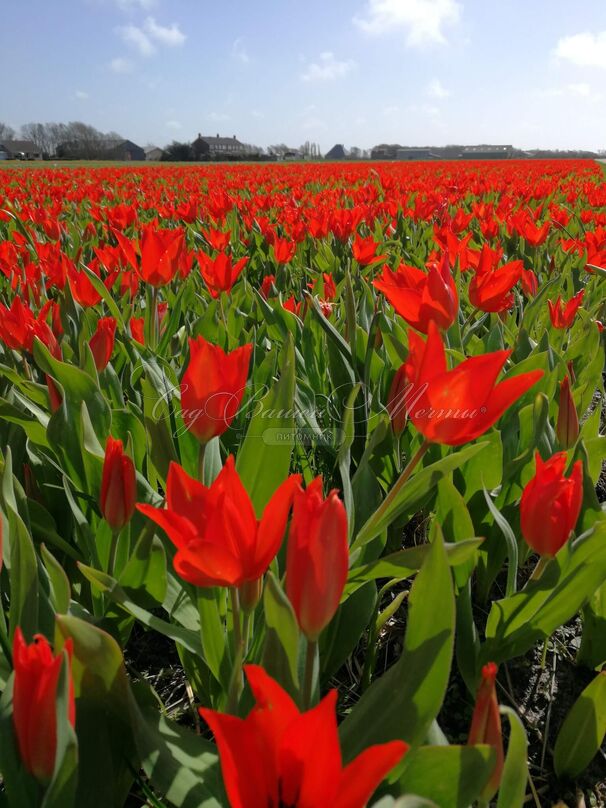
266 286
550 504
278 755
292 306
421 297
219 273
530 283
160 254
218 239
284 250
456 406
396 400
102 342
218 538
118 486
490 288
34 702
567 428
562 314
81 287
364 251
317 558
486 725
212 387
16 325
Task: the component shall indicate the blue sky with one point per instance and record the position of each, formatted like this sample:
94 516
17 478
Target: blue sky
358 72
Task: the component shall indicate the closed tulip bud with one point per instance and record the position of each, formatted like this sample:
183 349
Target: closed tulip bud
396 400
34 703
567 428
212 387
550 504
118 485
317 558
486 725
102 342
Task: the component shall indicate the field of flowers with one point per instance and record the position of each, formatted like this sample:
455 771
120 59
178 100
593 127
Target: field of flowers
300 485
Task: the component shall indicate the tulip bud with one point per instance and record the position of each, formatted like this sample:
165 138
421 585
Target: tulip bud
317 558
54 396
486 725
102 342
550 504
396 400
567 428
118 486
34 702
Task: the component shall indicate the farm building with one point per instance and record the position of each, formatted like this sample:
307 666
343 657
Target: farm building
19 150
217 147
154 153
336 153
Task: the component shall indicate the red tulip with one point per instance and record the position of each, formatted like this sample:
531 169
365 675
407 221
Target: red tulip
81 287
396 400
160 254
267 286
456 406
118 485
212 387
530 283
16 325
421 297
490 288
562 314
364 250
219 273
218 239
486 725
284 250
317 557
34 702
292 305
218 538
550 504
102 342
279 756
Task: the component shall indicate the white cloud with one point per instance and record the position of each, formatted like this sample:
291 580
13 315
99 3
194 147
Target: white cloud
81 95
576 89
120 65
423 20
137 39
239 52
585 50
435 89
170 35
327 68
174 125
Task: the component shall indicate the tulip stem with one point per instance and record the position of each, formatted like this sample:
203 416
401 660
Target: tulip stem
153 322
236 684
538 570
308 681
201 455
113 551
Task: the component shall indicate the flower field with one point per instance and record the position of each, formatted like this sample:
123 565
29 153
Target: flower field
301 485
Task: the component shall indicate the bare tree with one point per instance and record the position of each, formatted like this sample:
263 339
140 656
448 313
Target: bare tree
6 132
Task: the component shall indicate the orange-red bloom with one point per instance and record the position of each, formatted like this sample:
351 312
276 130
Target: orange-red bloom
317 557
218 538
278 756
490 288
456 406
212 387
364 250
562 314
486 725
34 702
219 273
284 250
102 342
421 297
118 485
551 504
160 254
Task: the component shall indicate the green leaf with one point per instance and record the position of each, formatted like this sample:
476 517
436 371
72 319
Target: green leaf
512 544
406 499
450 776
59 582
281 647
343 633
263 459
583 730
512 790
403 703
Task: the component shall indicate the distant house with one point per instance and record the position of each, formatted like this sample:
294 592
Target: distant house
416 153
123 150
19 150
385 151
154 153
485 152
336 153
217 147
292 154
